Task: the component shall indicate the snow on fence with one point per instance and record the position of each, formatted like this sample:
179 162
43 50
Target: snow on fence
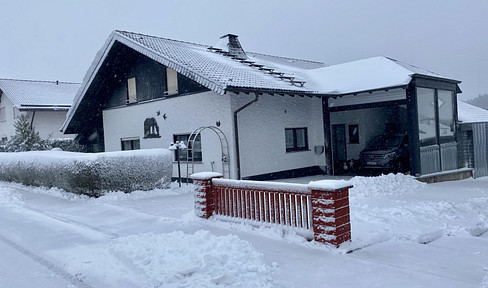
89 173
320 207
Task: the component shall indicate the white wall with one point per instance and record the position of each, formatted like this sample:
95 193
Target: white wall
262 133
183 115
48 124
371 122
7 127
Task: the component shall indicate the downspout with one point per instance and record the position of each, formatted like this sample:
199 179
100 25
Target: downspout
32 119
236 129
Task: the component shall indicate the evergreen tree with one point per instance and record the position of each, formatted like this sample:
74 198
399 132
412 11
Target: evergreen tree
25 138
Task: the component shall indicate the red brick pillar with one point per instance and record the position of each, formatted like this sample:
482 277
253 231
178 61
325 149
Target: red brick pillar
330 211
204 196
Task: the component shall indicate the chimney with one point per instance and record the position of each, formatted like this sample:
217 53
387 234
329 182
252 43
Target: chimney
232 45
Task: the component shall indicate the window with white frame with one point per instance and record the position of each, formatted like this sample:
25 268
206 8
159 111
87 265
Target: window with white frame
131 90
296 139
171 81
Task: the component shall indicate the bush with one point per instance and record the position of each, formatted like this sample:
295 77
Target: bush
89 173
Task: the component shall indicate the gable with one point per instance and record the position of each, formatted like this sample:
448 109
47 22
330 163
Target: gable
109 87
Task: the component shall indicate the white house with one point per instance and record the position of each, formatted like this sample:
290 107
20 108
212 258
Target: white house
46 103
257 116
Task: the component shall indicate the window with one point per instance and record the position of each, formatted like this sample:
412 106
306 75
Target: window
353 134
446 117
3 116
435 115
296 139
171 81
130 143
196 151
131 90
426 114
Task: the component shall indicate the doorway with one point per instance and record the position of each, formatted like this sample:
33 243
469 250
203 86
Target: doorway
339 150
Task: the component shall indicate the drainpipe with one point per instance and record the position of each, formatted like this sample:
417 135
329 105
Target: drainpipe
236 129
32 119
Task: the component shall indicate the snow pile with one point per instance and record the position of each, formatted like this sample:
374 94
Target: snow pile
177 259
87 173
400 207
384 185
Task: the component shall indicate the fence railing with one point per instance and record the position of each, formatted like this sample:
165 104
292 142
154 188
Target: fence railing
321 207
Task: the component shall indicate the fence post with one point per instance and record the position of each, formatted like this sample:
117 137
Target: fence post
204 197
330 211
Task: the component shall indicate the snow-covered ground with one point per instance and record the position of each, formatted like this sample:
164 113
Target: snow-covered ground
404 234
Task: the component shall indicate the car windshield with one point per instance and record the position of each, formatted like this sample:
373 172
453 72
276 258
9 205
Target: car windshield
384 142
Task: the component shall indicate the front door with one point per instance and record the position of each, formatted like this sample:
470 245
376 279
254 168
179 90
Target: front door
339 151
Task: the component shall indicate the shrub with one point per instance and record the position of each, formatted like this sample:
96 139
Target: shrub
89 173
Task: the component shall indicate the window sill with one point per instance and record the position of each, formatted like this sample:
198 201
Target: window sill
295 151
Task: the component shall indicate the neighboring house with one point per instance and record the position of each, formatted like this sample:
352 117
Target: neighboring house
473 138
45 102
258 115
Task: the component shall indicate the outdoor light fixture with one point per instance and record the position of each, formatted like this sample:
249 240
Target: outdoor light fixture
177 146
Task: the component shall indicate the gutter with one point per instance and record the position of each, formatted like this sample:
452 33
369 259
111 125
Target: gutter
236 129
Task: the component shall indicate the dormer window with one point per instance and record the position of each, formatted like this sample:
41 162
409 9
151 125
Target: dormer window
171 82
131 90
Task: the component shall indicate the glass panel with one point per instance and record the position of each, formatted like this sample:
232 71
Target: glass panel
131 90
197 150
289 139
426 114
301 139
446 117
353 134
136 144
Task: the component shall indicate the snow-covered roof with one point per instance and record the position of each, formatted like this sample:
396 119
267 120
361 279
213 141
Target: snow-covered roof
39 95
365 75
468 113
217 69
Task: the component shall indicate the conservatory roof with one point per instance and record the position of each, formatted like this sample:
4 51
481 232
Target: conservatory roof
39 95
468 113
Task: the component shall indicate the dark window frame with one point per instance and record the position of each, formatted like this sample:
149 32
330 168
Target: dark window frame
135 143
182 154
295 147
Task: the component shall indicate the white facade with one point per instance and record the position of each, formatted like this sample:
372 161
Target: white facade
261 129
47 122
262 133
183 115
7 119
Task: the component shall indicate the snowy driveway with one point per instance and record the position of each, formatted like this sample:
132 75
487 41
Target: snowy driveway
50 238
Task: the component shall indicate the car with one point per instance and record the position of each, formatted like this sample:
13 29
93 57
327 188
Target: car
388 152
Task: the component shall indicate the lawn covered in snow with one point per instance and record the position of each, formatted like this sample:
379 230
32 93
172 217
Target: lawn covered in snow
404 234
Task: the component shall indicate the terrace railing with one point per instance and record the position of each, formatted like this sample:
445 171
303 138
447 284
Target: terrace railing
321 207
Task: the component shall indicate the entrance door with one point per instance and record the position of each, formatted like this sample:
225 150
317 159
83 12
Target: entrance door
339 151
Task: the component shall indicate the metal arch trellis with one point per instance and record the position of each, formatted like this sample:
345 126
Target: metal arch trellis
224 145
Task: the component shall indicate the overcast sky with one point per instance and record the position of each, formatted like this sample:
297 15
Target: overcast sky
58 39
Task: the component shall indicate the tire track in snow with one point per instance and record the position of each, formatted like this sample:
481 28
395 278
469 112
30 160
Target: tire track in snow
46 263
73 223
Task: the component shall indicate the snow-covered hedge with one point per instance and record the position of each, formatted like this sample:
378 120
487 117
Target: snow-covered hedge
89 173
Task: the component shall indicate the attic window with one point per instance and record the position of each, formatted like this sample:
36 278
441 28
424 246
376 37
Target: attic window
131 90
171 81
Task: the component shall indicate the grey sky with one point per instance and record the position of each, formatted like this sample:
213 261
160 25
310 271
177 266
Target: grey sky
58 39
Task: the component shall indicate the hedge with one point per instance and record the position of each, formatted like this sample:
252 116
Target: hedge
89 173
